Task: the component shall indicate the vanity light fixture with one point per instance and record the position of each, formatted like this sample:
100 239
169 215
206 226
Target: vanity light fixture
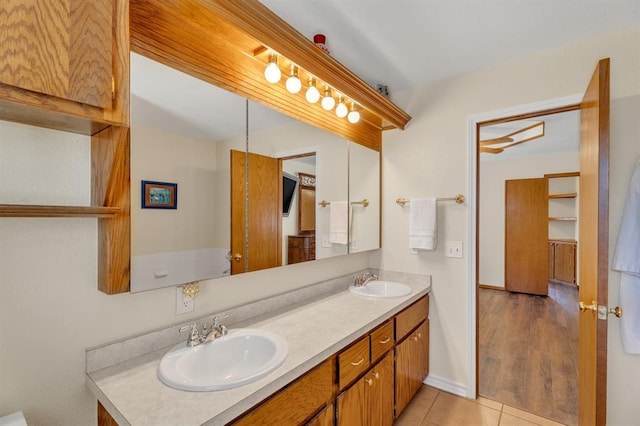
354 115
272 71
312 94
293 82
327 101
341 109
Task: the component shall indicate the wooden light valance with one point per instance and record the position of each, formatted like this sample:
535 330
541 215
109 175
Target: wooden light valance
225 42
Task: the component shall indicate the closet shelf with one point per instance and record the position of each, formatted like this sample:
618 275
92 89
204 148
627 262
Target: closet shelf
17 210
563 219
565 195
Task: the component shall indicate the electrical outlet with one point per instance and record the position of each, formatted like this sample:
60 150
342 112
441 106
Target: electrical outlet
184 305
453 249
326 242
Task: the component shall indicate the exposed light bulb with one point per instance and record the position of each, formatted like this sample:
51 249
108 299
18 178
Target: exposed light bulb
293 82
272 73
327 101
313 94
341 109
353 116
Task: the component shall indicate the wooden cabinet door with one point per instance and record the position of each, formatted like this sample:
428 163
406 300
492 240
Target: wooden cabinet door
412 365
353 404
61 48
325 417
565 262
381 392
526 236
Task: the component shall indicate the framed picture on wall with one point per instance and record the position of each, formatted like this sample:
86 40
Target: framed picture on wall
159 195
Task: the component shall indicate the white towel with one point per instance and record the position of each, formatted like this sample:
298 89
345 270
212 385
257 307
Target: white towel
626 259
423 224
338 222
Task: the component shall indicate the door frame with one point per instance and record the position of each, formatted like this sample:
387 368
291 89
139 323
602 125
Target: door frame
566 103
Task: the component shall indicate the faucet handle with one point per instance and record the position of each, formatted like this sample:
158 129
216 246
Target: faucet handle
194 336
217 326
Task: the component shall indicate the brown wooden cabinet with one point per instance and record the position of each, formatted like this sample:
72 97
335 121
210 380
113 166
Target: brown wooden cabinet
298 402
301 248
65 64
562 260
369 401
412 352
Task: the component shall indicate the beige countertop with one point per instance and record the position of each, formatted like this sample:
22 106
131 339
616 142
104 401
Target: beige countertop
133 394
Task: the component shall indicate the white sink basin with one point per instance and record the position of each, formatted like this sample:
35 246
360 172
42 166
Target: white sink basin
380 288
243 356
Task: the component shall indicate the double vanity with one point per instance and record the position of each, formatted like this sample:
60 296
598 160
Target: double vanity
348 358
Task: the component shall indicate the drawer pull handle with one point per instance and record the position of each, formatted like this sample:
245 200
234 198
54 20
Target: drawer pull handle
360 361
385 340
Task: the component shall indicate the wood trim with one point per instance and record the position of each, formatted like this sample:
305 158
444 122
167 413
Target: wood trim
565 195
562 218
491 287
528 115
110 171
15 210
561 175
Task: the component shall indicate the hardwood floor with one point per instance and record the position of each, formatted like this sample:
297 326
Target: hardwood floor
528 351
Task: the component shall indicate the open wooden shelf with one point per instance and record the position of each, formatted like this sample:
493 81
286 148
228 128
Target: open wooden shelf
563 219
565 195
16 210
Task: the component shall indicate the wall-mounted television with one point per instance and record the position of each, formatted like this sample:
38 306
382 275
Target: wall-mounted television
289 188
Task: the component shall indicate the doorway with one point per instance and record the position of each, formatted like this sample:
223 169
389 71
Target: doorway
527 321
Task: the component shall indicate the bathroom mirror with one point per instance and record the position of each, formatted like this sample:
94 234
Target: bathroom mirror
191 242
364 198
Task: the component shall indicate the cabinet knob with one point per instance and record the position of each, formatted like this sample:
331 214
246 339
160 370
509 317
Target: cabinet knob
369 381
376 375
237 257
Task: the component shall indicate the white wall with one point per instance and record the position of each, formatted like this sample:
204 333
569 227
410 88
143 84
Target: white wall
50 308
491 223
430 158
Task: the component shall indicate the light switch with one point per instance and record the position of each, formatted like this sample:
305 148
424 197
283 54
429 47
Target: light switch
453 249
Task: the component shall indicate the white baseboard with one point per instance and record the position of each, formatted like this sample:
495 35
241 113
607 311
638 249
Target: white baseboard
446 385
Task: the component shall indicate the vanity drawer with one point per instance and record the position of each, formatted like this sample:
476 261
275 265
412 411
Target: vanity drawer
382 340
409 319
298 401
353 361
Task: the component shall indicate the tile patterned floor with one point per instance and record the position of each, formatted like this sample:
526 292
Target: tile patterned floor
432 407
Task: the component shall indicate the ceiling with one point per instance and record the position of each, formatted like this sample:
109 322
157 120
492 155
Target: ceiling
399 43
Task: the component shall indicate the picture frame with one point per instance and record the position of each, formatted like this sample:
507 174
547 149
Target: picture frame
159 195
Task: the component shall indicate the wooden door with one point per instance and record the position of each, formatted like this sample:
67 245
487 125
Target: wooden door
412 365
593 250
352 405
61 48
325 417
381 392
263 226
526 236
238 173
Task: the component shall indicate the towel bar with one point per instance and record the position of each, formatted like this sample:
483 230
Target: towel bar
459 198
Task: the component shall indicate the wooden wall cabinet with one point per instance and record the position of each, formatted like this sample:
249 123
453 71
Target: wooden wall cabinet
66 67
65 64
562 260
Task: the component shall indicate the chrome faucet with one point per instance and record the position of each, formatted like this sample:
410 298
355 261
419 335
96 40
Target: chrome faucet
208 333
217 329
363 279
